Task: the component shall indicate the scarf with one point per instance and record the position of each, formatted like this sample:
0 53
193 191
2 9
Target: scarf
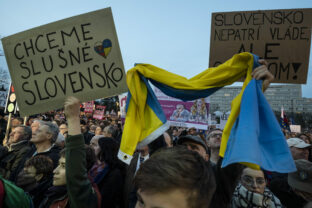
243 198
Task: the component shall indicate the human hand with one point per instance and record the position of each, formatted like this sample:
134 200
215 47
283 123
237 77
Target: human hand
262 72
72 107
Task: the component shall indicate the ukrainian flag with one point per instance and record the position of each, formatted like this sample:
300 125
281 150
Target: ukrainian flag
145 120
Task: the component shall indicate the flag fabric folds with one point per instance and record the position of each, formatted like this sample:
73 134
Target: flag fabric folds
145 120
256 135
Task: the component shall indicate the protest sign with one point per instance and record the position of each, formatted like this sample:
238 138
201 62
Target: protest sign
184 114
99 112
88 106
295 128
282 37
78 56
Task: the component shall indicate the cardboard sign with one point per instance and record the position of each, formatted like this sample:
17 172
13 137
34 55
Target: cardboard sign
295 128
282 37
78 56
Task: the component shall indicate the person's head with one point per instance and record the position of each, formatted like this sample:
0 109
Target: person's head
168 139
47 132
175 132
214 138
20 133
98 130
39 167
301 180
253 180
83 126
180 107
305 138
175 177
192 131
63 128
109 150
59 177
143 150
16 122
35 125
91 158
195 143
92 128
298 148
94 144
109 131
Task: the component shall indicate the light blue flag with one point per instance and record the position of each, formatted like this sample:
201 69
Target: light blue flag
256 136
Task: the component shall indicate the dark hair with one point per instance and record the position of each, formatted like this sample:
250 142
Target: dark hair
27 132
19 119
178 168
90 157
155 145
43 164
109 150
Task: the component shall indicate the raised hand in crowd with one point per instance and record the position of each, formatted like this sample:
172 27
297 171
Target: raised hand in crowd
262 72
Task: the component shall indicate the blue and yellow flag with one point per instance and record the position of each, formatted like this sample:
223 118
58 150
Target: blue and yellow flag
145 120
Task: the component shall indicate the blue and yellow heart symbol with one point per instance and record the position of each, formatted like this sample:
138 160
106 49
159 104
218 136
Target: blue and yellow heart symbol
104 48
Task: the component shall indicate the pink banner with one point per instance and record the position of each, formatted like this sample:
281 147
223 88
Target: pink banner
185 114
99 112
88 107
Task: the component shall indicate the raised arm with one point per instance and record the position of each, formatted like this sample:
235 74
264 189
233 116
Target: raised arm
79 188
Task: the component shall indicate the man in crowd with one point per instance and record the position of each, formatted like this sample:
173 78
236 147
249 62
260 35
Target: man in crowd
85 131
43 139
299 149
18 149
138 159
196 144
109 131
296 190
63 129
214 142
175 177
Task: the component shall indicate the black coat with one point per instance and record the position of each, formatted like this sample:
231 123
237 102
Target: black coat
11 161
111 187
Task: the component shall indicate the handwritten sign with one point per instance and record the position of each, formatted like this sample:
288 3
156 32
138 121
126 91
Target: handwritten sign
295 128
78 56
282 37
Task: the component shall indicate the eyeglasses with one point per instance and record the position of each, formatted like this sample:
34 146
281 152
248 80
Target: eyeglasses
216 135
248 180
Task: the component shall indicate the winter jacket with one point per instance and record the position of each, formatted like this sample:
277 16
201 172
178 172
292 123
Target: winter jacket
11 161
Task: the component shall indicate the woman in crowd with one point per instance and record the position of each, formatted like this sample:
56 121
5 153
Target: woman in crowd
252 191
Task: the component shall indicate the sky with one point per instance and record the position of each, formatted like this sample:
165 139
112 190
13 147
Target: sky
171 34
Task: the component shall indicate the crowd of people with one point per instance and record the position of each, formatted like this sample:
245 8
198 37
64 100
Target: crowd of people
65 159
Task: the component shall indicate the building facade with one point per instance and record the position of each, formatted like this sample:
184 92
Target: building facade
288 96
